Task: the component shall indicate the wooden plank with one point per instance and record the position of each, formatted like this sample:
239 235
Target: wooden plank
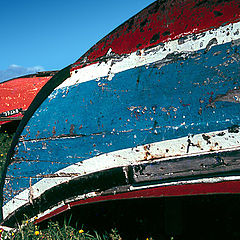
187 167
154 101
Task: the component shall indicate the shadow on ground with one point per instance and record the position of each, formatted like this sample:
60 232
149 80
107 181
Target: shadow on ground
202 217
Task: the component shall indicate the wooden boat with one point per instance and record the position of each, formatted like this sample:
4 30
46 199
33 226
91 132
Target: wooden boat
17 94
151 110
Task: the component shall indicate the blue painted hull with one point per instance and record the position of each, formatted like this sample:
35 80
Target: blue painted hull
164 113
166 104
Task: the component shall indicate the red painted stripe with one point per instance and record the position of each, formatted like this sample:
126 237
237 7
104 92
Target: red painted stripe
163 22
229 187
19 92
56 212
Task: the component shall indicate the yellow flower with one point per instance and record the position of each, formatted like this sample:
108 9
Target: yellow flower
1 230
1 154
35 218
27 222
37 233
12 233
81 231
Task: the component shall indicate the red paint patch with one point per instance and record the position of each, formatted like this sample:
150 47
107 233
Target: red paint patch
19 93
161 22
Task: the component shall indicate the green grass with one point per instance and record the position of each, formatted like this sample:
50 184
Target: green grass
5 142
28 231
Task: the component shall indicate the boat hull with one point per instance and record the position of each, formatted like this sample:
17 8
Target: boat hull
17 94
152 106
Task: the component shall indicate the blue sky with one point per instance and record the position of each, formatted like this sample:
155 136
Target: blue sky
49 35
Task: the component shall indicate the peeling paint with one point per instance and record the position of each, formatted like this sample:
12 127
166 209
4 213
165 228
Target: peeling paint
151 102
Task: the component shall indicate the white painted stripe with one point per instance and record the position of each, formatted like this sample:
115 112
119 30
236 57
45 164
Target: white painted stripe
177 148
60 204
192 43
196 181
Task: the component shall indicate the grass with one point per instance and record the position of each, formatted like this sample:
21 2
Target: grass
28 231
5 142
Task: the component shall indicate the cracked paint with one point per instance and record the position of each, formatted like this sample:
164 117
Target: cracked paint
155 100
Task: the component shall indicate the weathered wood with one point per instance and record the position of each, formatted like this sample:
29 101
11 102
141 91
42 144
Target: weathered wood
154 102
187 167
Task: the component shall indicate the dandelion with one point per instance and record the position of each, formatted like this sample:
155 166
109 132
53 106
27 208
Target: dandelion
81 231
1 155
1 231
37 233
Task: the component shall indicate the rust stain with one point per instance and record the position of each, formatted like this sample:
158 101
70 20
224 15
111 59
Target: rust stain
54 131
72 129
